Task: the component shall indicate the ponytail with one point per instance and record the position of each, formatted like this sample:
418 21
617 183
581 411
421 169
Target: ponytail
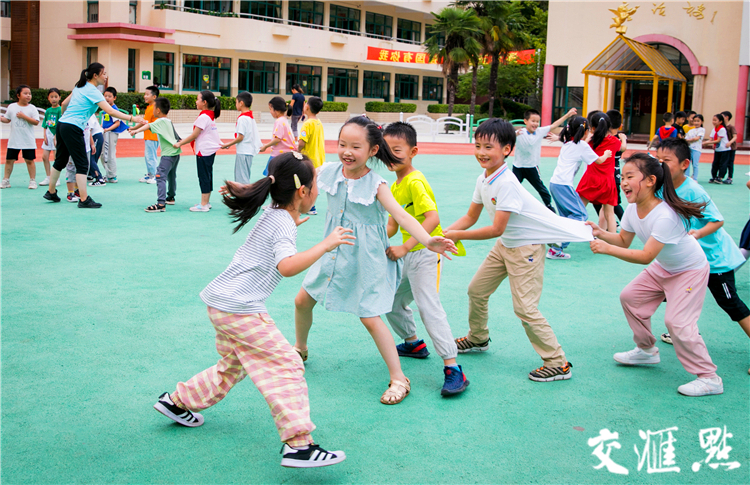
284 173
212 102
374 133
88 73
575 130
599 122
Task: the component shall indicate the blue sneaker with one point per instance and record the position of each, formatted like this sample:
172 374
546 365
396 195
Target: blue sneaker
455 382
417 349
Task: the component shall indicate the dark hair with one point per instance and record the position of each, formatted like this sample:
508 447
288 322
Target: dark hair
20 88
315 104
615 118
210 99
278 104
649 166
499 130
700 117
721 119
599 122
680 114
112 90
53 90
403 131
690 112
667 117
527 114
575 130
297 88
244 201
162 104
88 73
289 110
246 98
154 90
678 146
374 135
727 115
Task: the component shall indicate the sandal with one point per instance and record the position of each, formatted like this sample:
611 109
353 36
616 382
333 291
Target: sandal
396 392
302 354
156 208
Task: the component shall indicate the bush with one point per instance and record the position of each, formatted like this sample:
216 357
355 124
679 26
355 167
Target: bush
457 108
331 106
227 102
126 101
383 107
39 97
513 110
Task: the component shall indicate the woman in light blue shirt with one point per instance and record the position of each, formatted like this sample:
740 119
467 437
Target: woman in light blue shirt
77 109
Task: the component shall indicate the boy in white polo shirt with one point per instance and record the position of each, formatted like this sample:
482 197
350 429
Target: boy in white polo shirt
529 151
522 225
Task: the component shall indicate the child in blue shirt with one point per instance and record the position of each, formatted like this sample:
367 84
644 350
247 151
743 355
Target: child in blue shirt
112 129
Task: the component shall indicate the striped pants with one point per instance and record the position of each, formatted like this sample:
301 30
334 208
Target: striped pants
252 345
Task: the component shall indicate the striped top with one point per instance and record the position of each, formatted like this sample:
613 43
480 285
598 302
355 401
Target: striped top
252 275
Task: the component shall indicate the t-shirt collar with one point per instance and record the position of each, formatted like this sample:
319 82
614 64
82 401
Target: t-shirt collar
494 175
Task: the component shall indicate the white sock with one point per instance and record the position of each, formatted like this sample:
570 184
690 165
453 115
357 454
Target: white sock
652 350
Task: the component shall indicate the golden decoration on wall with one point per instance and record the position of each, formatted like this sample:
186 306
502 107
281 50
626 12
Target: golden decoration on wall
659 9
696 12
623 14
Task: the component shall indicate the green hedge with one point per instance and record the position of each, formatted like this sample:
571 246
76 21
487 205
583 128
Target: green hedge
443 108
331 106
39 97
513 110
383 107
126 100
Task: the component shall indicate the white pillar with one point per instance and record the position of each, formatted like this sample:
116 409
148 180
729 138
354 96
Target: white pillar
282 77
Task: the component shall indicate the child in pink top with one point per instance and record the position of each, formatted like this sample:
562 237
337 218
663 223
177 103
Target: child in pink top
283 138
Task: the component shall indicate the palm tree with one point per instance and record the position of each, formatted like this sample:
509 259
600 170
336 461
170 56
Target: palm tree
460 28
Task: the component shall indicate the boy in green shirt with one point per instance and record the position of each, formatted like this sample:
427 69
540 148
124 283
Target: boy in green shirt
170 156
420 276
49 127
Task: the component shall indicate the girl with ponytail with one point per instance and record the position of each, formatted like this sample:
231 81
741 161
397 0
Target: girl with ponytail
598 182
247 338
361 279
677 270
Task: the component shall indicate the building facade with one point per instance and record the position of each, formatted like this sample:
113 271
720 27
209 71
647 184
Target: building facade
350 51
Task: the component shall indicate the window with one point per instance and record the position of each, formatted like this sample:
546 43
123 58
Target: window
132 13
344 19
342 82
308 77
306 13
377 25
259 77
432 89
92 13
409 32
267 11
210 5
5 8
204 72
406 87
164 70
376 85
92 55
440 35
131 70
565 97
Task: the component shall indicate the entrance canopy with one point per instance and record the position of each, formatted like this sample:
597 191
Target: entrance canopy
627 59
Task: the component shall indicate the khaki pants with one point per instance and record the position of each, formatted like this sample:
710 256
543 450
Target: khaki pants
524 267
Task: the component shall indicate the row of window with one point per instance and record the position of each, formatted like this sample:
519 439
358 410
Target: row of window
214 73
92 11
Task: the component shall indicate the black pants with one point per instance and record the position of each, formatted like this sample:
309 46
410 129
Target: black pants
720 164
730 163
722 288
532 175
619 211
70 144
206 173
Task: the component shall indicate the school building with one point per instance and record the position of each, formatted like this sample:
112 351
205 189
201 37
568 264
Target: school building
697 53
350 51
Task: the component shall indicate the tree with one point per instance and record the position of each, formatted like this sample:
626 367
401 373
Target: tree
460 28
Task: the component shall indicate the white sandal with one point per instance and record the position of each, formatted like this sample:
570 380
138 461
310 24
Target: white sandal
396 389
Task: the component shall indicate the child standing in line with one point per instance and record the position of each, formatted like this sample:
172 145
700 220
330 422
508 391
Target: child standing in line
724 257
166 172
720 143
247 138
312 142
361 279
575 150
677 269
49 124
282 140
205 142
732 143
151 140
522 225
615 119
679 119
695 138
246 337
664 132
112 129
97 137
23 117
529 151
420 275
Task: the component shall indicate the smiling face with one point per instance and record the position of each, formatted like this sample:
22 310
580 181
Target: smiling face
634 185
532 123
149 97
490 153
402 150
715 121
101 78
676 167
697 122
354 149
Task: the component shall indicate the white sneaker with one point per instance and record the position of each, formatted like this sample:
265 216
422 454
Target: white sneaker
313 456
33 184
45 181
702 387
200 208
5 184
556 254
145 179
58 183
638 356
151 180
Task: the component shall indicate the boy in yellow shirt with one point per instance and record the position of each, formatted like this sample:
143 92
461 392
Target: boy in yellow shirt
420 276
311 138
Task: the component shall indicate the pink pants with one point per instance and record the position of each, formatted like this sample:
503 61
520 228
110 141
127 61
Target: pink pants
685 292
252 345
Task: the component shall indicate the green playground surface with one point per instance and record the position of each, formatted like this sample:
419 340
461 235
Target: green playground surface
101 314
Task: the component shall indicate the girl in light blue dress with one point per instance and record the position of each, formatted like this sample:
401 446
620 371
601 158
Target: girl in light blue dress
360 279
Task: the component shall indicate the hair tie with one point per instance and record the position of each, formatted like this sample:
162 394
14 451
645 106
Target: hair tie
297 183
273 179
297 155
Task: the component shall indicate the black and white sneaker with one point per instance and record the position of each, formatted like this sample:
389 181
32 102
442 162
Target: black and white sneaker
313 456
186 418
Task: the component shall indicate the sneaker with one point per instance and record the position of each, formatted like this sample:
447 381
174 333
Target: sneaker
45 181
186 418
416 349
200 208
312 211
144 179
51 197
727 182
170 201
33 184
465 345
637 356
5 184
151 180
549 374
58 183
111 180
74 197
98 183
666 338
714 181
313 456
156 208
88 204
556 254
702 387
455 382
